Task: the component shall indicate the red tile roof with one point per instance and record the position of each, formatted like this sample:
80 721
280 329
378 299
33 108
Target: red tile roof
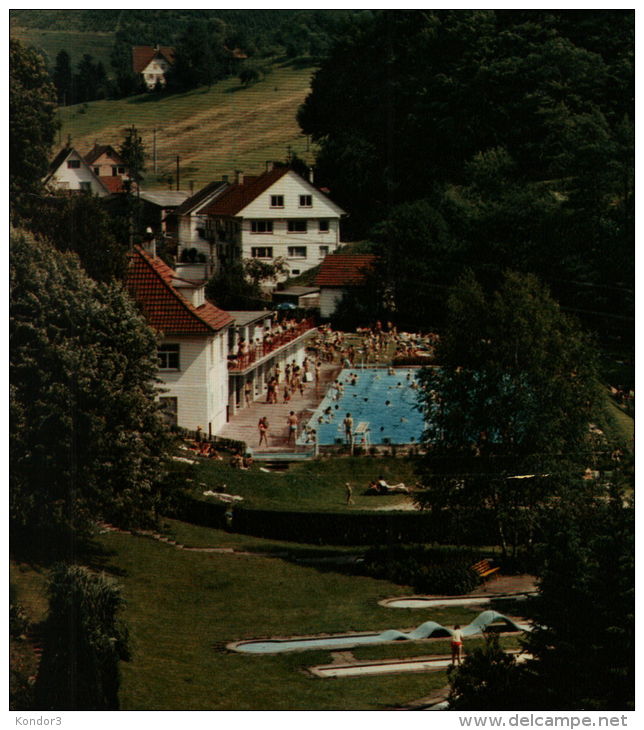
113 183
238 196
142 55
149 282
344 269
103 149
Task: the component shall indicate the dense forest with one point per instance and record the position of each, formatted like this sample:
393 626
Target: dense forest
202 40
485 139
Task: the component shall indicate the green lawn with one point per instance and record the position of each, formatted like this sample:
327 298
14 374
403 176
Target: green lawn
313 485
214 130
183 607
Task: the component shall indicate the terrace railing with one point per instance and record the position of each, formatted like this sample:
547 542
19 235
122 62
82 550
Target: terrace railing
257 352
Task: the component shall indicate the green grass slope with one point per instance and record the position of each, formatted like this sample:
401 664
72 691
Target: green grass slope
213 130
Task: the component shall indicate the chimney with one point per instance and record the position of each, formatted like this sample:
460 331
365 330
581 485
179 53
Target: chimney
224 178
239 177
311 176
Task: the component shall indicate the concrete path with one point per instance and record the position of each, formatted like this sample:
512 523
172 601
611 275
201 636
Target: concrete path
243 425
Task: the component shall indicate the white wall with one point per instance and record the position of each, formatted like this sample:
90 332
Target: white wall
201 383
68 178
329 299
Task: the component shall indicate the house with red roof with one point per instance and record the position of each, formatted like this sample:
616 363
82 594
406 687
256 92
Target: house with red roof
211 363
152 62
105 161
275 215
70 171
193 342
340 273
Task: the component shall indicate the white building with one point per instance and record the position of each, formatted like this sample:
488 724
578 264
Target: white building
276 215
338 275
193 349
192 242
152 62
69 171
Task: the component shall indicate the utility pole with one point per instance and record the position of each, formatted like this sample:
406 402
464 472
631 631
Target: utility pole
177 172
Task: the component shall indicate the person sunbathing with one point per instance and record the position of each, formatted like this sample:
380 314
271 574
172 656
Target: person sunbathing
385 488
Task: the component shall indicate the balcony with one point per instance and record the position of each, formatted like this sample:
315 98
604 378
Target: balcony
240 363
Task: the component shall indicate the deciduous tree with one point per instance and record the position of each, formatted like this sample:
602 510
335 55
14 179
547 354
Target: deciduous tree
32 125
83 643
509 408
87 441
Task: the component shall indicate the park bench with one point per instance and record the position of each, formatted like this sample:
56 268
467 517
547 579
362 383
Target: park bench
484 569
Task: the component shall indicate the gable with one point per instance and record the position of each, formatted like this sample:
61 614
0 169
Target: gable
291 186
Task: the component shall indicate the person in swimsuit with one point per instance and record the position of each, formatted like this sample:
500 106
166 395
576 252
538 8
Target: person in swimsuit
457 644
292 427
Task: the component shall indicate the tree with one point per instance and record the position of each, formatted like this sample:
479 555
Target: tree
509 408
415 232
81 224
584 612
87 440
583 620
63 78
488 679
83 643
238 285
133 153
32 125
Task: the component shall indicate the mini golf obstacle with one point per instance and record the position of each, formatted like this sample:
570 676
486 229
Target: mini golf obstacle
391 666
429 629
444 601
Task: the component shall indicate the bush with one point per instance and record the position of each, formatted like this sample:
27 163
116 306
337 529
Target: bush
437 571
18 621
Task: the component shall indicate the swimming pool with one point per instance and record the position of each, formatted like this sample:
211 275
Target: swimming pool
388 403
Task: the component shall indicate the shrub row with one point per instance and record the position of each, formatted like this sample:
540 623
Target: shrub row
429 570
330 528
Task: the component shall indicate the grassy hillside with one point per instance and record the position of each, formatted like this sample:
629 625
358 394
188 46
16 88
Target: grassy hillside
214 131
76 43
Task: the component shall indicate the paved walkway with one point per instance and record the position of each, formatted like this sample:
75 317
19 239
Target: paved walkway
243 425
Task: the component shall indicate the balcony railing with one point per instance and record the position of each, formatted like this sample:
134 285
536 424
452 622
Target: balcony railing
257 352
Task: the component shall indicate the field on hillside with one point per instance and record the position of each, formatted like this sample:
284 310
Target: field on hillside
213 131
76 43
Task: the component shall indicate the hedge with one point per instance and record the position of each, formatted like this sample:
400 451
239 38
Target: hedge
332 528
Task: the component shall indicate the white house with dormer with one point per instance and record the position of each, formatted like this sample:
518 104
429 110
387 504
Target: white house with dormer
276 215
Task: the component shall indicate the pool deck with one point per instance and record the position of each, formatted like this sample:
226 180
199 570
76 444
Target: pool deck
243 425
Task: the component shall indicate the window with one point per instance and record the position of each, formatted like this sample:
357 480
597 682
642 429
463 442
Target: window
168 357
262 252
120 170
295 272
323 226
85 186
169 410
306 201
297 226
261 226
324 251
297 252
73 164
97 170
277 201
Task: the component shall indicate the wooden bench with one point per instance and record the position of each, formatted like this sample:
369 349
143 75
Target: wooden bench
484 569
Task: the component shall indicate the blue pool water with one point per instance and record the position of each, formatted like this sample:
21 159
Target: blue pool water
400 422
